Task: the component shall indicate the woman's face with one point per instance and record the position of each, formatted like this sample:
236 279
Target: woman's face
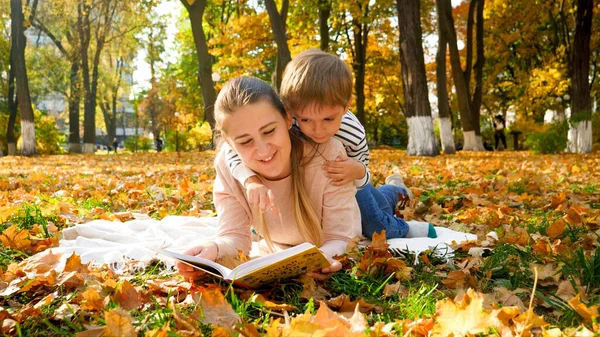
259 135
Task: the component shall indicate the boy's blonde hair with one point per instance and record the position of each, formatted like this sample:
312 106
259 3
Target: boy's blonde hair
245 90
316 77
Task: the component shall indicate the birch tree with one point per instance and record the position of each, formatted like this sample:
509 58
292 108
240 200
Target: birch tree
421 138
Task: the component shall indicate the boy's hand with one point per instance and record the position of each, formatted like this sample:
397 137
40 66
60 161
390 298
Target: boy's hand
260 194
343 170
206 250
326 272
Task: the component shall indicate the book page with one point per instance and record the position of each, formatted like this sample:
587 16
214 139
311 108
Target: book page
280 266
206 265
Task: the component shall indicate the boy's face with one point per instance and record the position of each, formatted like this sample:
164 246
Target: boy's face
320 123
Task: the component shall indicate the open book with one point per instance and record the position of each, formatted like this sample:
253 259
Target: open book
260 271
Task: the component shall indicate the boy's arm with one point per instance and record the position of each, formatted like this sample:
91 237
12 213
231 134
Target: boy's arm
354 138
256 191
238 170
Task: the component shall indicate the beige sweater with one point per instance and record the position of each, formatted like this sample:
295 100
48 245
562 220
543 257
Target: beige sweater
336 207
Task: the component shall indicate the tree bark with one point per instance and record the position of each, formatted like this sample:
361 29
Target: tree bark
421 140
278 23
209 95
580 134
11 141
447 139
23 96
472 141
324 14
361 40
74 97
84 29
74 100
478 91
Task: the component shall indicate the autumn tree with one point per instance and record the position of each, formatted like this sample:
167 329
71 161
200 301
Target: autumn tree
20 73
355 21
324 14
447 139
153 41
57 21
195 11
278 18
580 133
421 138
469 101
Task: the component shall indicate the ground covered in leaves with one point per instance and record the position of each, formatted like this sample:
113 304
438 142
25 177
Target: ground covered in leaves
541 278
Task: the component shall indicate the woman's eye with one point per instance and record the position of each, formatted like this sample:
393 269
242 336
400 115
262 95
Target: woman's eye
269 131
304 120
246 142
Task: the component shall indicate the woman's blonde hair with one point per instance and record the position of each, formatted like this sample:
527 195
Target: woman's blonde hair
246 90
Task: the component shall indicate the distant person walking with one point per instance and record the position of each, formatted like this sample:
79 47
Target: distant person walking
115 145
159 144
499 126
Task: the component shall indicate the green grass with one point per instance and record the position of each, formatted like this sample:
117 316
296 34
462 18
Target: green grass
28 216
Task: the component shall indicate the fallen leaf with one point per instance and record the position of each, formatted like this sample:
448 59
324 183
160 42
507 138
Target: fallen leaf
118 324
588 313
466 318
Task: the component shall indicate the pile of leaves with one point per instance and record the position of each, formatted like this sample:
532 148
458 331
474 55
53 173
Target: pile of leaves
537 275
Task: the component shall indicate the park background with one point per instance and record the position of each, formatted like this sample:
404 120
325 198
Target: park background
107 70
76 74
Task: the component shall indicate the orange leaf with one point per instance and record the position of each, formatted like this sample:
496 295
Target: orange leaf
342 303
216 309
92 300
556 229
527 321
118 324
128 297
467 318
272 305
15 238
588 313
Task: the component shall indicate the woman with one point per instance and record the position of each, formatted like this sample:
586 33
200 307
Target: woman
253 121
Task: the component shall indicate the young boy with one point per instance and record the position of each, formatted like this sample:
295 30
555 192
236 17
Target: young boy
317 89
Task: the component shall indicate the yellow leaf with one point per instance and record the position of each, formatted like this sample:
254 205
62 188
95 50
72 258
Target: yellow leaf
15 238
466 318
92 300
588 313
118 324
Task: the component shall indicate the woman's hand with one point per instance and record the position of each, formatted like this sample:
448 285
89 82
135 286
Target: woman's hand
206 250
326 272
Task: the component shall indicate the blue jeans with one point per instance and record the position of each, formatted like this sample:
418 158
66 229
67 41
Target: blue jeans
377 211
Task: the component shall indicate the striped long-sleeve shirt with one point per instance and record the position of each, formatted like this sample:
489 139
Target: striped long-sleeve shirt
352 135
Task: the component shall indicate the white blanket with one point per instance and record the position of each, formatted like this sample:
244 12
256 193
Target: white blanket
115 243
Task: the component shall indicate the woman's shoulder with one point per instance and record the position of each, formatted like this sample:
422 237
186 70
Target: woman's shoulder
319 153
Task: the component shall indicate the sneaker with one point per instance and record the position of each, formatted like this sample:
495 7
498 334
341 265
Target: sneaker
396 180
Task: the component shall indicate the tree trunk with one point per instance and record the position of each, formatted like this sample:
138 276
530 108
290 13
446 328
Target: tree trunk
471 140
421 138
74 97
324 14
447 139
580 134
12 106
278 23
209 95
361 39
74 100
83 27
23 97
476 99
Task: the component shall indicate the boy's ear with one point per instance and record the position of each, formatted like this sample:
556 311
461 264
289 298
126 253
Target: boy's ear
349 103
289 119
